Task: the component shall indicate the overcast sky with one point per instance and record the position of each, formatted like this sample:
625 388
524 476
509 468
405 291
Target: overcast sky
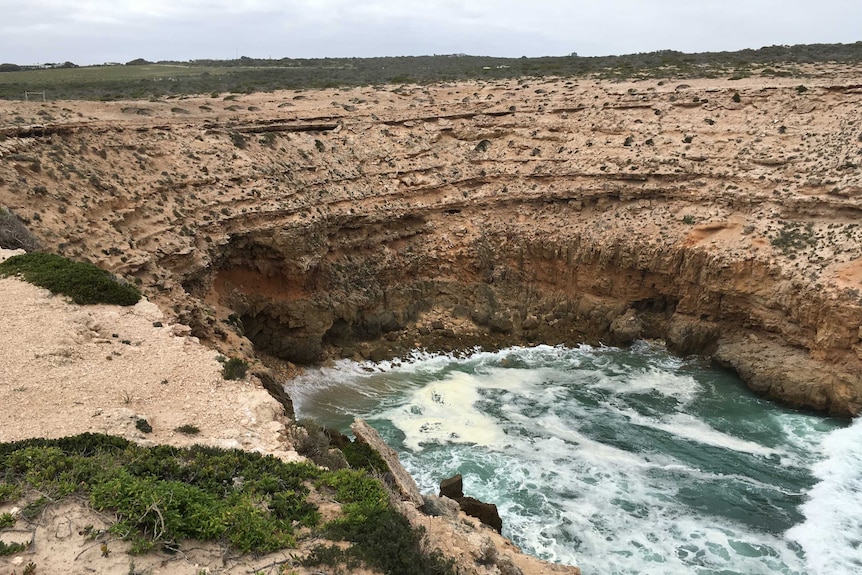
97 31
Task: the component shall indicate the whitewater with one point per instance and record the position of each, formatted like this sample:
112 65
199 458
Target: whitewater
618 461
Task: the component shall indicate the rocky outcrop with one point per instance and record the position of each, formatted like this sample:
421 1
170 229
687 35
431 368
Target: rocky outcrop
485 512
472 547
457 215
276 390
453 489
405 484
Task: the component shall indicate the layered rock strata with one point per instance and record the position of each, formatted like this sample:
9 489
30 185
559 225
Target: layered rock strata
719 215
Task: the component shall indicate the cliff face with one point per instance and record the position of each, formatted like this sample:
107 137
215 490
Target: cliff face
719 215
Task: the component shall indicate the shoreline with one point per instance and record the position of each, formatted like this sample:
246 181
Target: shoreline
74 383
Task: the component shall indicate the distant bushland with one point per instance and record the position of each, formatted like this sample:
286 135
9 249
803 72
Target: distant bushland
141 79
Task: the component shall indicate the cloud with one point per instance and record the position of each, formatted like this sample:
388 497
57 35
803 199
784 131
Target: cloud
94 31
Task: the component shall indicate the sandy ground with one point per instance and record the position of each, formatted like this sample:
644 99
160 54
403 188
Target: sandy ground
67 369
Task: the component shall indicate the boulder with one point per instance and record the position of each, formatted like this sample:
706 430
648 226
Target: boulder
626 328
440 506
485 512
453 488
500 324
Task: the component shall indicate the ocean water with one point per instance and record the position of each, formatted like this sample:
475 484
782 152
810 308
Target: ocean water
618 461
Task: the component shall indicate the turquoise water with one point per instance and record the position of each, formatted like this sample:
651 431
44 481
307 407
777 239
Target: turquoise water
618 461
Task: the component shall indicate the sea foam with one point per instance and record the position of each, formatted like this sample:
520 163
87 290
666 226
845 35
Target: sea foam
831 534
620 462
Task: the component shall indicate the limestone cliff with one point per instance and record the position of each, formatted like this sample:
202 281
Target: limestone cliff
720 215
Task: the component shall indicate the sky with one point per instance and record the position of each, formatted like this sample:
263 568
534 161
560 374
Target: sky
97 31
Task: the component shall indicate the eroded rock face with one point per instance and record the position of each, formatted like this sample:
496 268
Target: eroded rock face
484 214
485 512
452 488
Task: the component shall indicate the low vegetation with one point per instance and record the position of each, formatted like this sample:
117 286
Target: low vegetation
381 537
161 496
234 368
84 283
141 79
188 429
11 548
793 236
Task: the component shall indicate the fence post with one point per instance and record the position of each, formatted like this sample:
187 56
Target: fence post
28 92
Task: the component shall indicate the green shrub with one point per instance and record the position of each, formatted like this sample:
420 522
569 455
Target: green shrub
6 520
315 445
382 538
83 282
234 368
9 492
11 548
359 493
39 465
34 509
154 510
238 140
188 429
794 237
332 556
361 456
163 494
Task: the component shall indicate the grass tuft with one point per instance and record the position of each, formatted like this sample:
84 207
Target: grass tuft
188 429
6 520
234 368
11 548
